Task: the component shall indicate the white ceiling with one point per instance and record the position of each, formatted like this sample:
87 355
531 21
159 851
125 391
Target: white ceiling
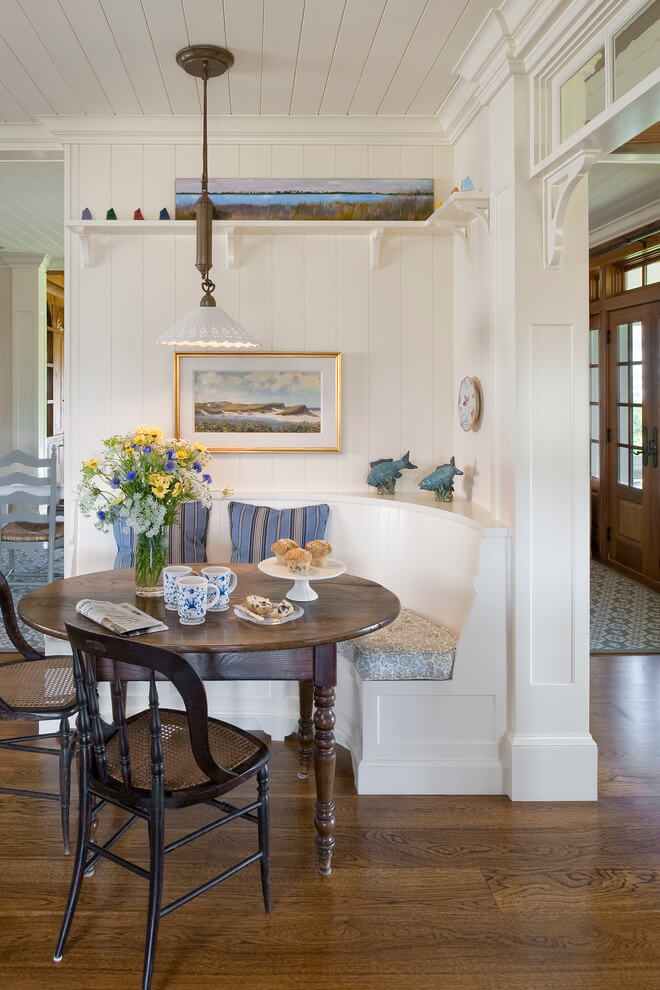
292 57
32 207
618 189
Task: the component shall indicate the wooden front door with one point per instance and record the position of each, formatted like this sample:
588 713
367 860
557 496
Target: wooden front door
633 429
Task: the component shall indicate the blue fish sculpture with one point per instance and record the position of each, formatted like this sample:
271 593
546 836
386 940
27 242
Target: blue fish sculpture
384 473
441 481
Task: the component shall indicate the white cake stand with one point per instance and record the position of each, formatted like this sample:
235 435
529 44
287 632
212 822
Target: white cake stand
301 590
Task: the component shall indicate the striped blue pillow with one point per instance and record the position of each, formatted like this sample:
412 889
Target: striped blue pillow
254 528
187 537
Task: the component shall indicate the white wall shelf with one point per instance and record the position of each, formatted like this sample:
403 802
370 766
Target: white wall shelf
453 216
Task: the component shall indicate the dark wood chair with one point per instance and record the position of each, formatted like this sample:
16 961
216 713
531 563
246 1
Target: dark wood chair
159 759
33 689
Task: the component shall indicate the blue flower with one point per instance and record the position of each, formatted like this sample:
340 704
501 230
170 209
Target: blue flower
170 465
131 475
102 515
115 482
147 449
170 453
135 446
197 466
207 478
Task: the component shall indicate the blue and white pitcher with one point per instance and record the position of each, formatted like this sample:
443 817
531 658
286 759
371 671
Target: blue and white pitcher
195 596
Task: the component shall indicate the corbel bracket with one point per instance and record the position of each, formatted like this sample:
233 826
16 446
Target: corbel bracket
375 242
231 247
558 186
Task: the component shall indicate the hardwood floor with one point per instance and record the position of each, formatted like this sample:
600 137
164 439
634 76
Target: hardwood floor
462 893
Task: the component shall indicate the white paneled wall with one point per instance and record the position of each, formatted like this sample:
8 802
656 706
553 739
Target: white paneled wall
309 292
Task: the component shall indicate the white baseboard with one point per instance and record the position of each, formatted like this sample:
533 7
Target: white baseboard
550 768
428 777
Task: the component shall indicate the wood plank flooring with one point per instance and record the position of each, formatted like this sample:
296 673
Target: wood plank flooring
462 893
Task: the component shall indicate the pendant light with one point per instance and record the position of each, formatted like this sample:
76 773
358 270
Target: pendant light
208 325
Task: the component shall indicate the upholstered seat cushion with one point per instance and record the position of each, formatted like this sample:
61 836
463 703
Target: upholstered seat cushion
254 528
229 747
38 685
412 648
30 532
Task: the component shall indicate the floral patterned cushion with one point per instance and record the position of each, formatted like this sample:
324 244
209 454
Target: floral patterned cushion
412 648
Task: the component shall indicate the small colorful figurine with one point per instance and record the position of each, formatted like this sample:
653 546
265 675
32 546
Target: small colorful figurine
138 214
164 215
384 473
467 184
86 214
111 215
441 481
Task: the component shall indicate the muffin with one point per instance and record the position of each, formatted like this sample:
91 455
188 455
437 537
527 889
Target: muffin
320 551
282 609
280 548
258 605
298 559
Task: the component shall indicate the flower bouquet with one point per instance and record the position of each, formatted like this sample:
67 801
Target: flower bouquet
143 479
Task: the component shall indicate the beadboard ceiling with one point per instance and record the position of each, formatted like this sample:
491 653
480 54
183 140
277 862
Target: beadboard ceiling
32 207
292 57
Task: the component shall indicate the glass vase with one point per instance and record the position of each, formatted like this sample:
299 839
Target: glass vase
150 559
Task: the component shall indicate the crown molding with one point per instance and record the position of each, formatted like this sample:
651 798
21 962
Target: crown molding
624 224
245 130
32 141
13 260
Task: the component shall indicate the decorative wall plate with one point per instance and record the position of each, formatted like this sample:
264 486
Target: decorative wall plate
469 404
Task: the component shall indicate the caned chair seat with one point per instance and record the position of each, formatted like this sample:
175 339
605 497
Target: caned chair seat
23 532
229 747
39 685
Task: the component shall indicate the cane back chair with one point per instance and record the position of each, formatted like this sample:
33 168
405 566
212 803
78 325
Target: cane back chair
22 497
156 760
34 689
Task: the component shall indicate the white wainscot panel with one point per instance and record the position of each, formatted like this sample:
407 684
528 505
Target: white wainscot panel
424 719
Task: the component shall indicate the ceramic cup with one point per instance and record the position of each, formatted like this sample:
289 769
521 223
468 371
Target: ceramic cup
171 576
195 595
224 580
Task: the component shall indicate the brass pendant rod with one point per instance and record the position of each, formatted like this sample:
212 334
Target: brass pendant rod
205 170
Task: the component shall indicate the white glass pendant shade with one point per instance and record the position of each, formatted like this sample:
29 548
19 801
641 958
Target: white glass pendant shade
207 326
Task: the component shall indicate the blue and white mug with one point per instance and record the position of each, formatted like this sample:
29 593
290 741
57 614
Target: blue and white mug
224 580
195 595
171 577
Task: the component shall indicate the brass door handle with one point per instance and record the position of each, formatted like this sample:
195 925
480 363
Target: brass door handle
650 447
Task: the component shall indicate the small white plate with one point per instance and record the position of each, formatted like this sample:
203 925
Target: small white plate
265 620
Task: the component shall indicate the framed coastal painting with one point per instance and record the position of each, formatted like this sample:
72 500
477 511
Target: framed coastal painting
260 402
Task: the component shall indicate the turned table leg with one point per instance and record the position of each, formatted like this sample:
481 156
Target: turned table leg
325 678
305 728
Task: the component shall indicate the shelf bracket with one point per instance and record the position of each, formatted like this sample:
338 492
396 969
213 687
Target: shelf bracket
474 212
85 246
375 242
558 187
231 248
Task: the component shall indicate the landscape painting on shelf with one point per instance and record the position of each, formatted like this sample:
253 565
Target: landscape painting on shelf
309 199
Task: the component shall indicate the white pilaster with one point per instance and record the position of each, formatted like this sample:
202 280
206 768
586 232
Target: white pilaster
28 351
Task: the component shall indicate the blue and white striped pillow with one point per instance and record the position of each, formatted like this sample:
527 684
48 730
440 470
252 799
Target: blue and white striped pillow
254 528
187 537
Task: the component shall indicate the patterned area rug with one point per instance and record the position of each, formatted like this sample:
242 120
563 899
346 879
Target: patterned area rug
625 616
30 572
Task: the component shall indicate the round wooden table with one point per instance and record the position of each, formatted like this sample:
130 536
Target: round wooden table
228 648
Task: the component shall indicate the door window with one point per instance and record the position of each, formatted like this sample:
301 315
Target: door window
629 404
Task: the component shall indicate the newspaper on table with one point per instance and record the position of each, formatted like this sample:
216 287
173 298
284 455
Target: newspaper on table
121 618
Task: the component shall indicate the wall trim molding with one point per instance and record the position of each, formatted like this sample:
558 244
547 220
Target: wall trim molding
550 768
625 224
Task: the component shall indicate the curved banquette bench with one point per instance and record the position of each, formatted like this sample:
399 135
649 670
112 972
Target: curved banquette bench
421 705
438 728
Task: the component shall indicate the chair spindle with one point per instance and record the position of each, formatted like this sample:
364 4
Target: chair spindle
120 722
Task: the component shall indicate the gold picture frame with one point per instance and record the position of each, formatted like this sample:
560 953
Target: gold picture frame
260 402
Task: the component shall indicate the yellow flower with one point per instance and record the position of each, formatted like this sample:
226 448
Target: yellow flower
159 484
177 490
200 447
92 463
120 498
181 455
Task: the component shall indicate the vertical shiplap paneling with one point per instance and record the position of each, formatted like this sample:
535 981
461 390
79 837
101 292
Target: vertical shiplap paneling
384 161
226 467
352 161
320 161
187 162
443 171
416 346
321 335
287 160
126 164
158 180
384 353
94 329
127 169
223 161
442 356
255 161
288 335
353 342
158 315
416 161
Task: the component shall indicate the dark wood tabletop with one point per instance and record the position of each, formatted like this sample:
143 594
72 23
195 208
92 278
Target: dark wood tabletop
225 647
347 607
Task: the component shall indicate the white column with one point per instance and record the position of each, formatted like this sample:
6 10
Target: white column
28 351
541 333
